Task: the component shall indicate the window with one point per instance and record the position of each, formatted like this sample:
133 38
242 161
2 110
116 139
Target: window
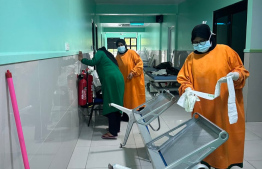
131 43
111 45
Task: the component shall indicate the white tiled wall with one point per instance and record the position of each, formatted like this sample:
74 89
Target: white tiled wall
46 92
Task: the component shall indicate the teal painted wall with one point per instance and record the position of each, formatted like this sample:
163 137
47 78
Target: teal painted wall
32 30
127 18
150 39
254 23
169 20
192 13
104 9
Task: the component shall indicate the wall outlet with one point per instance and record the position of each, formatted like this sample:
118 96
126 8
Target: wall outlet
67 47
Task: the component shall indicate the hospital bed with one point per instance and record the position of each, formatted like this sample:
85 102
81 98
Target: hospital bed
161 82
182 147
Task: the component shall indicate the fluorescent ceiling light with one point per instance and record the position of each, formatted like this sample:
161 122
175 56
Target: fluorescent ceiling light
221 24
136 24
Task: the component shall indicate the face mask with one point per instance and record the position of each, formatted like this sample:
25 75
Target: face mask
203 48
121 49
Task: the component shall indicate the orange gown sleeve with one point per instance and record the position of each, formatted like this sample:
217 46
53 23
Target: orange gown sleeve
138 69
236 65
184 76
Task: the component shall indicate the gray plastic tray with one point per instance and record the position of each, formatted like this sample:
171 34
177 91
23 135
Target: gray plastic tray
194 140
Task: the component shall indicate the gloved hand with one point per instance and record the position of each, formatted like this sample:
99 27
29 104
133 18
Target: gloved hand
130 76
190 100
235 75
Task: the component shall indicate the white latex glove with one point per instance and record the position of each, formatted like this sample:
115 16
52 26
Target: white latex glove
235 75
190 100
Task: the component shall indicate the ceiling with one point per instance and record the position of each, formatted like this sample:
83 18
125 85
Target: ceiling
138 2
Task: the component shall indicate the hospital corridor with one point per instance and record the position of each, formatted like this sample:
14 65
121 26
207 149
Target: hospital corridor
131 84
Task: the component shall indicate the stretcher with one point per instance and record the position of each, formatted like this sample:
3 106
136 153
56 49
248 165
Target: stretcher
147 112
187 144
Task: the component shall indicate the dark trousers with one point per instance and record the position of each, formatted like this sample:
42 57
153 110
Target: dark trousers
114 120
125 117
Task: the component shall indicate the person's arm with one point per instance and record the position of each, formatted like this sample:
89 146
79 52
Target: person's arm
138 69
185 77
95 60
236 65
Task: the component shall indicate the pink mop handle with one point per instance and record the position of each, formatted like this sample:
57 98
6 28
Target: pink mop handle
17 118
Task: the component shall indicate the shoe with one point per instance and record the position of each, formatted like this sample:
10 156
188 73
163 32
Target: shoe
108 136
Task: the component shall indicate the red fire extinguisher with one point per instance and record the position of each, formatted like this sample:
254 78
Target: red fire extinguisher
89 89
84 73
82 90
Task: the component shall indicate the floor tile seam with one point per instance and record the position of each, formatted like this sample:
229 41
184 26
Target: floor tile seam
137 151
87 156
117 145
260 140
251 164
165 122
82 146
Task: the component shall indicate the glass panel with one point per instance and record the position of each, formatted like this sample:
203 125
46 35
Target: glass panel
111 50
133 47
127 41
222 30
115 52
239 33
133 41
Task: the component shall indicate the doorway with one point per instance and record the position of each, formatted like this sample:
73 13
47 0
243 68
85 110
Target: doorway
229 25
93 38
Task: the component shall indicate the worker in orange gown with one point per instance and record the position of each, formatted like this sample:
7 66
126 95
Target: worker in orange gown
131 66
200 72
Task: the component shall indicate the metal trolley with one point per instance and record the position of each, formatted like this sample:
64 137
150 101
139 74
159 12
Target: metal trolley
189 143
148 111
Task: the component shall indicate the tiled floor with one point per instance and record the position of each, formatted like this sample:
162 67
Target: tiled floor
92 152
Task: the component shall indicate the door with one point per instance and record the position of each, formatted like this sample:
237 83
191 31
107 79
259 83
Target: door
230 26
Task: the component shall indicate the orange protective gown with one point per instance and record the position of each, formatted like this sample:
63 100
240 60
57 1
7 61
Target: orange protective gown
134 88
201 72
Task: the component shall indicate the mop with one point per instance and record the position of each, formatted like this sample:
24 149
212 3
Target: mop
17 119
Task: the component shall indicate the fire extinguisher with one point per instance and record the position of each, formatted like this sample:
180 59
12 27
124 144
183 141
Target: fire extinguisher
89 88
82 90
84 73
